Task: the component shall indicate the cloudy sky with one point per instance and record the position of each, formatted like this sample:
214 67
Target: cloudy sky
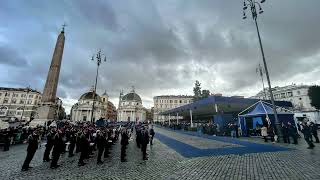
159 46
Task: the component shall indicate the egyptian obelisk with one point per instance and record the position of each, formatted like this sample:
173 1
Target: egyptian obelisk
47 110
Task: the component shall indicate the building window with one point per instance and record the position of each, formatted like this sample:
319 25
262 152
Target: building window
7 94
170 101
175 101
3 110
0 94
289 94
30 96
21 101
29 102
13 101
185 101
84 118
180 101
298 92
19 111
283 95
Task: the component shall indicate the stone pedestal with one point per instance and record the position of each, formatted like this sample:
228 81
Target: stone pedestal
44 114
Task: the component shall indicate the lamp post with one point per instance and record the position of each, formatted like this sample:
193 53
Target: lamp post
98 61
252 4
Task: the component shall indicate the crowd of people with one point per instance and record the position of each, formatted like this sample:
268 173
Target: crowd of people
290 131
14 135
85 139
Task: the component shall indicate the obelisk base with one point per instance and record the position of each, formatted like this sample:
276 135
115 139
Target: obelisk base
44 114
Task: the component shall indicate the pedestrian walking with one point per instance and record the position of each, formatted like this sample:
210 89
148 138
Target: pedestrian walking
31 150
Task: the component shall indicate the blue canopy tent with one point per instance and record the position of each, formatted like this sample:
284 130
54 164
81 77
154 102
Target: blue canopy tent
262 113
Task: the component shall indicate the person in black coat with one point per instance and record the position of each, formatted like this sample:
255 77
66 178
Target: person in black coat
49 145
306 130
7 140
124 143
314 131
31 150
84 147
100 141
72 140
58 148
138 136
144 142
152 133
292 132
106 143
285 133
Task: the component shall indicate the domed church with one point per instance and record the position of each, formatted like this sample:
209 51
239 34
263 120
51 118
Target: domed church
131 108
81 111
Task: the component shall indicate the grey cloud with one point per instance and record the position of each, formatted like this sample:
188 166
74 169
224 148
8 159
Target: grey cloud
160 46
9 56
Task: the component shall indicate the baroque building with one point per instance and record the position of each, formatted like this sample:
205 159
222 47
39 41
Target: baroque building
82 110
131 108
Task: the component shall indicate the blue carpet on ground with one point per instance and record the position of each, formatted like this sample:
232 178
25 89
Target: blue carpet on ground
187 150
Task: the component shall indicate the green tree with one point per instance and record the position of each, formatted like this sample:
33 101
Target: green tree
197 91
198 94
205 93
314 95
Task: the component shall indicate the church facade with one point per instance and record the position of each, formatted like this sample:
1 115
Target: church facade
82 110
131 108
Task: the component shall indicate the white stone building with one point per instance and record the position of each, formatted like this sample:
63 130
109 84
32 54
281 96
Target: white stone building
298 96
18 103
167 102
82 110
131 108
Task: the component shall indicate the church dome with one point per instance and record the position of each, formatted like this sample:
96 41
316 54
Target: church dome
89 96
131 97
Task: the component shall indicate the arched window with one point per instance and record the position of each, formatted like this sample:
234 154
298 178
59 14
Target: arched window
3 110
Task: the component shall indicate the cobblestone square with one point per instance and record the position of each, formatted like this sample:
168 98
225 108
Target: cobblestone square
167 161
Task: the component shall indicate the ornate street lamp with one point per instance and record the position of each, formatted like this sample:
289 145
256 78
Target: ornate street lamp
98 59
253 4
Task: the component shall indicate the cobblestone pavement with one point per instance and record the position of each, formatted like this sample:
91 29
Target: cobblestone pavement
166 162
